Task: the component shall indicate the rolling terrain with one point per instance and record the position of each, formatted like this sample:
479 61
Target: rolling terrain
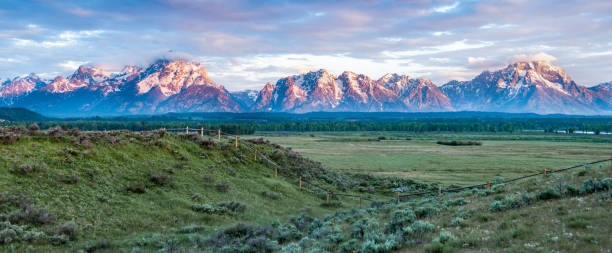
118 191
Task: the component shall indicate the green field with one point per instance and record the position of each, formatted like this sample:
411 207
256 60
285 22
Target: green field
120 191
420 158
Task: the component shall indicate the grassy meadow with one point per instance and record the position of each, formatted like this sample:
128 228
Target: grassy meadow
419 157
118 191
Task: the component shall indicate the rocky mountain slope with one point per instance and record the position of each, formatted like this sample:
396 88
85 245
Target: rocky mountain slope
321 91
183 86
526 87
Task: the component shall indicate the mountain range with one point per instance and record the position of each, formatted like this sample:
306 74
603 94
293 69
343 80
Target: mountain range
182 86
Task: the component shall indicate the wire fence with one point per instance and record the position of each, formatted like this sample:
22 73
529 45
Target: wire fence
398 196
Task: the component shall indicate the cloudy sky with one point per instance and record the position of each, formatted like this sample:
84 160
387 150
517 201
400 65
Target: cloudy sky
244 44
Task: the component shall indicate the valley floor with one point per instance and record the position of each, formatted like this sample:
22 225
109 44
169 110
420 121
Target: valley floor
417 156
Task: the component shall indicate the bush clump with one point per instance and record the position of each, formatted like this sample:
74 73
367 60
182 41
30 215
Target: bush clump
29 168
222 187
459 143
445 242
426 211
419 228
192 229
160 178
549 193
594 185
578 221
497 206
222 208
68 179
455 202
399 219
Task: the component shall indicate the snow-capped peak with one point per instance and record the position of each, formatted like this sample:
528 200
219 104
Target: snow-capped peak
172 76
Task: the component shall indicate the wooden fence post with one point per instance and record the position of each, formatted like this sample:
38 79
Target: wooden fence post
187 130
545 172
439 191
255 154
219 134
300 183
488 185
202 132
275 171
236 143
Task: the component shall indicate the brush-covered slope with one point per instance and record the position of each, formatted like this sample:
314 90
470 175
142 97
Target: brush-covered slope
565 212
70 190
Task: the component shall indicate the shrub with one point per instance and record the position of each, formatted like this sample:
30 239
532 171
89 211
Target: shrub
137 188
455 202
222 187
349 246
590 238
483 193
458 221
593 185
230 208
419 228
363 227
9 138
445 238
436 247
69 229
233 206
498 188
293 248
549 193
512 202
33 127
286 232
9 232
206 208
331 204
484 217
192 229
578 221
160 178
497 206
526 198
426 211
68 179
28 168
460 143
28 213
399 219
97 246
520 231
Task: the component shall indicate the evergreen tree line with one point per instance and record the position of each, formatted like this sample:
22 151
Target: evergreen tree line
595 125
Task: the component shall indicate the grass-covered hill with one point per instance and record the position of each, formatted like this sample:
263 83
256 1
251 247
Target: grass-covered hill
65 190
19 114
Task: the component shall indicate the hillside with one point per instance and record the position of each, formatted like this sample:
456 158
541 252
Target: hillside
19 114
70 190
150 191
